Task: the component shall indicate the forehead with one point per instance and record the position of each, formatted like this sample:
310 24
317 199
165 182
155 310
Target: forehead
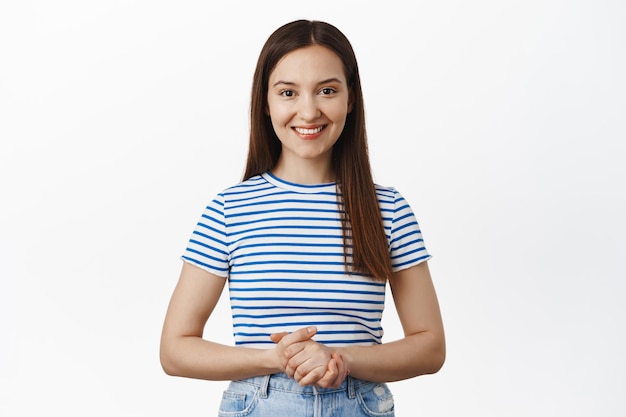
312 63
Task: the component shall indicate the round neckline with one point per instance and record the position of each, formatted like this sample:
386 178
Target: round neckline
299 188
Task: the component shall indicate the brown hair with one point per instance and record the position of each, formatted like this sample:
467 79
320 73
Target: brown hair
364 235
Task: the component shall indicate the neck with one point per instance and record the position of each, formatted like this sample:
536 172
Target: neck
304 172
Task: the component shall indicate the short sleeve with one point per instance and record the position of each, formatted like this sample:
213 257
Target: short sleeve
208 247
406 244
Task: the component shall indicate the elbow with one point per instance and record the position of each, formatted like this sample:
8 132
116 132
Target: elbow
437 355
438 359
168 364
434 356
167 367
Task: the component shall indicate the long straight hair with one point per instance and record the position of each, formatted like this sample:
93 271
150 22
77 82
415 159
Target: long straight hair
363 233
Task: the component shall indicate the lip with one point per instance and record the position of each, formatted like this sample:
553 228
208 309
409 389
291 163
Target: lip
309 132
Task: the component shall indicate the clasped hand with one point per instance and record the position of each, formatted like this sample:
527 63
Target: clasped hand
307 361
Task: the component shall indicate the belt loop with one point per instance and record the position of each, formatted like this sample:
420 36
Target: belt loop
351 387
265 385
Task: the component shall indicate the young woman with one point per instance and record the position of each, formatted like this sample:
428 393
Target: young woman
307 243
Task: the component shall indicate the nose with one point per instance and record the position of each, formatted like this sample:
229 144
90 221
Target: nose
308 108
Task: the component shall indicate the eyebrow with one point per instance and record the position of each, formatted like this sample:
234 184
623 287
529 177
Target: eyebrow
329 80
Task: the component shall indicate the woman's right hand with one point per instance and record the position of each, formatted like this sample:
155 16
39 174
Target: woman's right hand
307 361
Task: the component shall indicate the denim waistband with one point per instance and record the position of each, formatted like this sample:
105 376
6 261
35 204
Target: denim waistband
282 382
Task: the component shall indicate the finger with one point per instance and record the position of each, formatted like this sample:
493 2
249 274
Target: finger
341 364
301 361
310 377
277 337
330 376
307 365
337 382
342 370
299 335
293 354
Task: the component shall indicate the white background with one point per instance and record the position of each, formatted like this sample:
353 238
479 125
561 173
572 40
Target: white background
502 123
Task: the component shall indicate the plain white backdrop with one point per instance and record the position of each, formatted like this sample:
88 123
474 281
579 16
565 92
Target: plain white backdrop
502 122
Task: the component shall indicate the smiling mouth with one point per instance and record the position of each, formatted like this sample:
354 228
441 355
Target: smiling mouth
304 131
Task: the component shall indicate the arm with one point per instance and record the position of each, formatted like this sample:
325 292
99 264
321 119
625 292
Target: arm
185 353
422 350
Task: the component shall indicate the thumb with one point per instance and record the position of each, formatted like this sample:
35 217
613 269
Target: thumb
303 334
332 367
277 337
300 335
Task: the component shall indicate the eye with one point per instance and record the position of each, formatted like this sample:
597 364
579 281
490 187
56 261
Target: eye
287 93
327 91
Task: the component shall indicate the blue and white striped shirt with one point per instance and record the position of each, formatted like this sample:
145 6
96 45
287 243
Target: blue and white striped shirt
280 245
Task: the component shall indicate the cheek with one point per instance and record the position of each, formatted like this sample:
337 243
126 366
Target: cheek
340 115
278 125
277 111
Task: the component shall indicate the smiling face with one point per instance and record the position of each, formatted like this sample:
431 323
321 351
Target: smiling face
308 100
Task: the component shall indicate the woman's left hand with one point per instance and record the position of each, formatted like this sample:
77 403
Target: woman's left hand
312 363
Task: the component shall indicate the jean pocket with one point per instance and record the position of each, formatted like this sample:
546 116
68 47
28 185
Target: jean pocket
238 400
376 400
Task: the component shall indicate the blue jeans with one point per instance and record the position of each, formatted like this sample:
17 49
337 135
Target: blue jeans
278 395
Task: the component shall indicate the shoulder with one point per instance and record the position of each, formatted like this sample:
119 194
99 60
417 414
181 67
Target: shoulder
251 182
386 194
254 189
221 198
251 185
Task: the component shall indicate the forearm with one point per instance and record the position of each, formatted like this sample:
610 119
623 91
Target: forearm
414 355
194 357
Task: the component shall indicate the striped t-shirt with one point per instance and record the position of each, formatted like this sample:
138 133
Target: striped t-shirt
280 245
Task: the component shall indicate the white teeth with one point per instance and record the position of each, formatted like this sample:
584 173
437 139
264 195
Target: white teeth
309 131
